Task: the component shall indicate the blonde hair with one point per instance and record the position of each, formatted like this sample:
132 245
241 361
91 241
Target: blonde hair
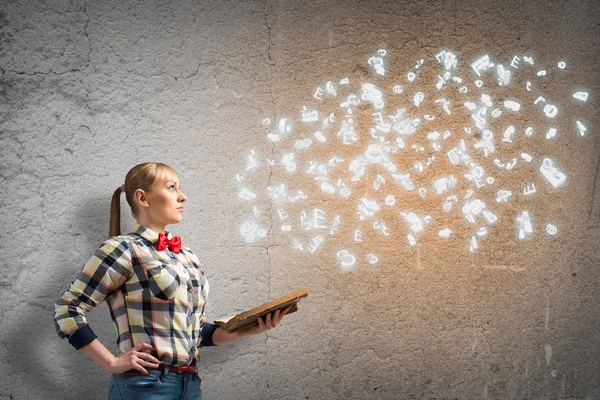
142 176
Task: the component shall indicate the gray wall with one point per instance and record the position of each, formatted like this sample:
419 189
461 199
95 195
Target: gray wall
90 89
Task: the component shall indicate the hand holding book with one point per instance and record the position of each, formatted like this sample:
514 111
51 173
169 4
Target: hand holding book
272 311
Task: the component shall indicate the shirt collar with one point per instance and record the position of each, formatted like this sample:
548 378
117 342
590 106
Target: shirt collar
148 233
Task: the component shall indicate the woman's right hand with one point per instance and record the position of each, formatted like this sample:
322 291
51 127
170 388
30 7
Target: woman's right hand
136 358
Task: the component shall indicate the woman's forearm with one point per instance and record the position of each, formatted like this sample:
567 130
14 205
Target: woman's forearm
221 336
99 354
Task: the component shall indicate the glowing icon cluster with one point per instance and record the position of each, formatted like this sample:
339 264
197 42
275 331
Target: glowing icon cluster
379 153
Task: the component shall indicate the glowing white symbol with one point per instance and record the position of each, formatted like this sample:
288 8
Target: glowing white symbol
473 244
551 229
297 245
367 208
509 134
248 230
239 178
449 202
529 189
463 90
334 225
528 86
550 110
529 131
276 191
524 225
315 243
246 194
377 225
318 217
489 216
282 214
266 121
512 105
304 221
411 76
284 126
398 89
302 144
528 60
445 105
251 161
298 196
448 59
318 94
372 258
286 228
344 81
581 128
486 143
373 95
418 98
482 64
582 96
319 136
503 195
443 184
515 62
309 115
416 223
496 112
482 231
377 64
327 187
378 182
562 65
405 181
411 239
551 133
503 75
552 175
358 168
288 160
271 162
445 233
330 88
346 259
526 157
357 236
347 131
345 192
541 73
390 200
473 208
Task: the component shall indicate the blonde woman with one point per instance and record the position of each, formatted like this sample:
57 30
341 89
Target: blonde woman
156 293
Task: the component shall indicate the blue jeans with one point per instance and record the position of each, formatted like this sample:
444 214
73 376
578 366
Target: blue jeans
157 385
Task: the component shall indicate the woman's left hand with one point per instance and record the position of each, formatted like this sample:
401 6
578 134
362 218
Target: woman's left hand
271 320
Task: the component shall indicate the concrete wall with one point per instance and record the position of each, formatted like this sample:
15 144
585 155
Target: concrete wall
89 89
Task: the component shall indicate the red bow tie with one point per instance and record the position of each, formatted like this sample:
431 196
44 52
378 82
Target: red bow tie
174 244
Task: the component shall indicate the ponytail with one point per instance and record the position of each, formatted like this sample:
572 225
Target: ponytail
143 176
115 214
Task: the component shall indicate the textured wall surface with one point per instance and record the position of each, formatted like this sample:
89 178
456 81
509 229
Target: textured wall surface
89 89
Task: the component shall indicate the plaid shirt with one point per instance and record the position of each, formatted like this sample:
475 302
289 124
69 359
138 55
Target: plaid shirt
154 297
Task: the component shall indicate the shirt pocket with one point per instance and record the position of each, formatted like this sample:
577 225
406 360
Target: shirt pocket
163 281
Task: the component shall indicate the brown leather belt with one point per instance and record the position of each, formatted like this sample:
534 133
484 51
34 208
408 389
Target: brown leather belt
177 368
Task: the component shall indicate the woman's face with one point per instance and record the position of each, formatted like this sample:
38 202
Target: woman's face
165 202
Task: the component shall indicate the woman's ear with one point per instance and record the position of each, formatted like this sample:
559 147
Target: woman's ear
141 198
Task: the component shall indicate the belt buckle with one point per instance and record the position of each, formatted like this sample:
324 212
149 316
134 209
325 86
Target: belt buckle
179 369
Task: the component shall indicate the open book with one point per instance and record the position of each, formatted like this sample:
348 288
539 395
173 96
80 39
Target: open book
250 317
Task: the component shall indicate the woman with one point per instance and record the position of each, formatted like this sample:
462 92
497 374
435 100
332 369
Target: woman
156 294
